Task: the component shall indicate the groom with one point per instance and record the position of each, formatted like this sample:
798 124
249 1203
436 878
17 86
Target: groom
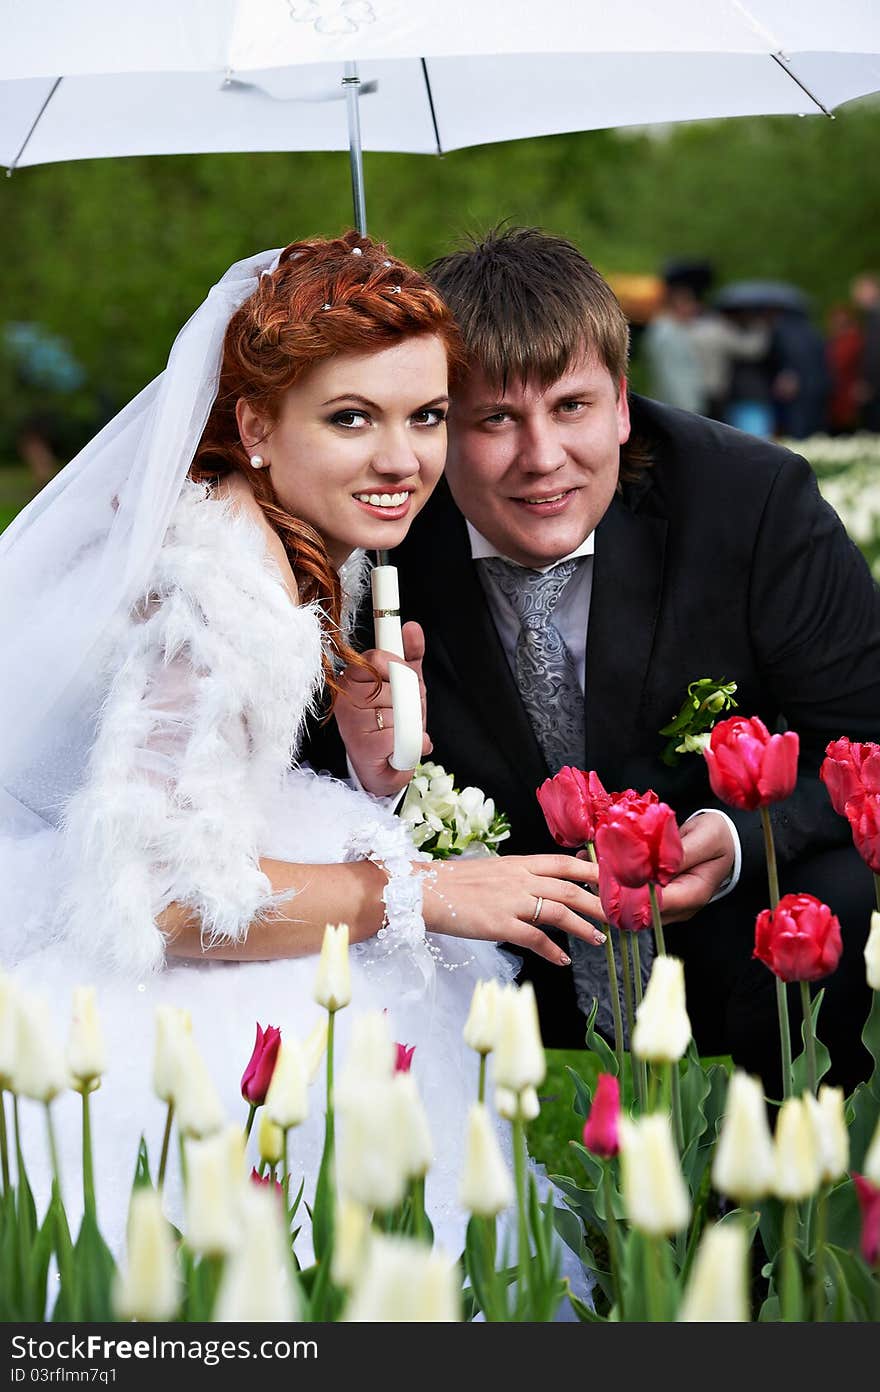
652 547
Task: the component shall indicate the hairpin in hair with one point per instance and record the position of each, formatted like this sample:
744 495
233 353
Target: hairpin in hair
386 263
327 305
395 289
357 251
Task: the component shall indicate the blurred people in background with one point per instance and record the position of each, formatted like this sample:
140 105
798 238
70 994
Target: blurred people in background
801 385
670 355
865 292
45 402
843 354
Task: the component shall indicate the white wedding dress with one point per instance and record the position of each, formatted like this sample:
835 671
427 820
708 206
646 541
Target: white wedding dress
202 691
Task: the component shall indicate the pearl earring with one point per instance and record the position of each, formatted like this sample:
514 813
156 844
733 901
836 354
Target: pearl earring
257 461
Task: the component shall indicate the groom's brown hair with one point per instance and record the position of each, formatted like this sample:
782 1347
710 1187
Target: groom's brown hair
528 304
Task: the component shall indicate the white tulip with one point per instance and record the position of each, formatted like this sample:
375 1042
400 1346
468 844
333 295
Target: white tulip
512 1106
519 1053
412 1132
8 1029
486 1186
349 1242
872 953
481 1026
314 1048
199 1109
717 1291
405 1282
871 1163
369 1160
796 1151
257 1284
40 1070
172 1024
86 1051
148 1287
654 1194
287 1101
370 1055
829 1122
270 1140
744 1166
213 1196
662 1030
332 987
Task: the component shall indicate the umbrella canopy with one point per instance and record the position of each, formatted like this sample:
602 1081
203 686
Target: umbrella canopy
762 294
188 76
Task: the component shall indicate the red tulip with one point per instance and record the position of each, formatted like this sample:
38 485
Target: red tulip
749 767
863 815
848 769
799 940
627 909
258 1075
403 1061
572 802
639 839
868 1195
257 1178
601 1128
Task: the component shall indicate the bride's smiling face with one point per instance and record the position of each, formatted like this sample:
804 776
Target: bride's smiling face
359 443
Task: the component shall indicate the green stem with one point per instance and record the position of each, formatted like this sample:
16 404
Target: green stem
4 1143
787 1293
809 1036
655 1280
420 1227
252 1112
481 1086
627 986
19 1154
53 1148
677 1120
613 1239
637 983
285 1172
657 920
522 1249
781 996
613 984
819 1256
770 854
877 889
166 1139
87 1163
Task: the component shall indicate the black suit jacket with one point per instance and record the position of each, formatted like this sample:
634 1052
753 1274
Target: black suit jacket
722 561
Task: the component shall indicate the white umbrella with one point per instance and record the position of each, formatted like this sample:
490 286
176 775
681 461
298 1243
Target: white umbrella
93 78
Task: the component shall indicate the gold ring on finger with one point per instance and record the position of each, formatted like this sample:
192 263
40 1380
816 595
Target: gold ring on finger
380 720
539 905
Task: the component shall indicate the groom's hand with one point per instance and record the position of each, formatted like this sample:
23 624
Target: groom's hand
366 720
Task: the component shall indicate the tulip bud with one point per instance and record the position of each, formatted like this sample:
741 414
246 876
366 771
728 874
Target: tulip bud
799 940
662 1030
404 1057
270 1141
517 1106
258 1074
639 839
370 1053
412 1131
486 1187
572 802
601 1132
199 1110
744 1166
871 1166
370 1167
333 980
519 1053
872 953
314 1048
654 1194
749 767
257 1284
868 1195
213 1196
40 1070
796 1152
349 1242
481 1026
148 1289
829 1122
172 1024
405 1282
287 1101
717 1289
8 1029
86 1054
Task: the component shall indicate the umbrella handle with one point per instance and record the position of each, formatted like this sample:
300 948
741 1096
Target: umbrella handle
406 698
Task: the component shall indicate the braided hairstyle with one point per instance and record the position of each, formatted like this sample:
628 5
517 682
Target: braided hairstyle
344 295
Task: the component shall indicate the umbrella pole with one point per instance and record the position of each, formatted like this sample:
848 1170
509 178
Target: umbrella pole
352 84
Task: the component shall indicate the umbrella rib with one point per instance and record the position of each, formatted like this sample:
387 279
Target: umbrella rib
794 77
36 121
430 96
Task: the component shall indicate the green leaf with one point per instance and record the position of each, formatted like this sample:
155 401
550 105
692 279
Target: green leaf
861 1118
871 1041
860 1287
844 1223
142 1177
583 1094
841 1307
597 1045
823 1058
95 1271
583 1312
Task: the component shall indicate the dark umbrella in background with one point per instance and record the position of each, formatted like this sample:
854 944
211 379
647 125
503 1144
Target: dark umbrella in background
762 295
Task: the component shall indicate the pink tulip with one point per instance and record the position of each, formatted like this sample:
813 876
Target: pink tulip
627 909
258 1074
601 1129
639 839
869 1202
749 767
403 1061
848 769
572 802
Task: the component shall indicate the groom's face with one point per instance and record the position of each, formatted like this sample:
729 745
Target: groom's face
535 468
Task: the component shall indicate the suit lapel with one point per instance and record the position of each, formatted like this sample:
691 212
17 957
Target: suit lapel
627 585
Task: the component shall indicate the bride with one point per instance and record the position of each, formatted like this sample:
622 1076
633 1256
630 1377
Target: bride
175 603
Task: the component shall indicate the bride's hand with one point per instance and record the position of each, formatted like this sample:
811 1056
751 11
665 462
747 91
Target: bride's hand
514 899
365 718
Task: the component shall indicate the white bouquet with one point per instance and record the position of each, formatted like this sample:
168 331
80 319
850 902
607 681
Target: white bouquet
446 822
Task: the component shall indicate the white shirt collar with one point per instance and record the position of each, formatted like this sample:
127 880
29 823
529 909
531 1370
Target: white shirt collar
481 548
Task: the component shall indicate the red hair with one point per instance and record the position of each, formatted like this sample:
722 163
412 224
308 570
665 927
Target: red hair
345 295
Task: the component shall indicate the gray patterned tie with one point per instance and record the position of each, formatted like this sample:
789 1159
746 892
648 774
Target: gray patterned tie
548 685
